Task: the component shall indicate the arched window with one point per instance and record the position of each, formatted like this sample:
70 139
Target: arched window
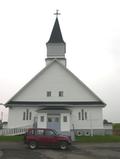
85 115
79 115
23 115
30 115
27 115
27 112
82 114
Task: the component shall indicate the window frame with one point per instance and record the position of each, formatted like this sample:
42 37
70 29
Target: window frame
24 114
65 118
60 93
49 94
42 118
27 114
40 132
86 116
82 114
30 115
53 133
79 115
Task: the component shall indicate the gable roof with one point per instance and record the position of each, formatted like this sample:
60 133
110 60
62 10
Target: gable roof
99 101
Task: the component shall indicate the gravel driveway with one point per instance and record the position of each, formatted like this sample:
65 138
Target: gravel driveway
12 150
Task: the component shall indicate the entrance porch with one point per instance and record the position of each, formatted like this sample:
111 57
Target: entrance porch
58 119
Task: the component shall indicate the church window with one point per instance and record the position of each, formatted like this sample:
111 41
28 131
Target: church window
49 119
82 114
64 118
42 118
60 93
48 93
23 115
79 115
27 113
85 115
30 115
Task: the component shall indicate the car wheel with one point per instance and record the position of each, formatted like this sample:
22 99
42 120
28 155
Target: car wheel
63 145
32 145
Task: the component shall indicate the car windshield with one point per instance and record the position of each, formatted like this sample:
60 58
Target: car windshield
56 132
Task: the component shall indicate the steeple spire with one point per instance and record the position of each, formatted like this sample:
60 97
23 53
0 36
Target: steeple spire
56 46
56 35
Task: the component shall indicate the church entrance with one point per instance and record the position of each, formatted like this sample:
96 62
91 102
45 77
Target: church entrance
53 122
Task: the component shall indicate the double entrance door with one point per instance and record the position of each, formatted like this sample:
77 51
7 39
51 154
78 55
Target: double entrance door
53 122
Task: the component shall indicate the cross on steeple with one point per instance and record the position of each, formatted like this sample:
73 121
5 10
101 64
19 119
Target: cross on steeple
57 13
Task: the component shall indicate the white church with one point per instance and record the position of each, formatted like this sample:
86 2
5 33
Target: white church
55 98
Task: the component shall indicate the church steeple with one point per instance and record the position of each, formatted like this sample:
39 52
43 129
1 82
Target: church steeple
56 35
56 46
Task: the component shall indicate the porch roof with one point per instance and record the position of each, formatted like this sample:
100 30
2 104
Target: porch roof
53 110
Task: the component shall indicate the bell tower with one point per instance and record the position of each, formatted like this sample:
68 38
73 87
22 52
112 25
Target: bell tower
56 47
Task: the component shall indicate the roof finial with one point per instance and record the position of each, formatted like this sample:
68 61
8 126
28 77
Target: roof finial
57 13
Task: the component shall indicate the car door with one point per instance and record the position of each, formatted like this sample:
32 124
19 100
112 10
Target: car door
50 137
39 134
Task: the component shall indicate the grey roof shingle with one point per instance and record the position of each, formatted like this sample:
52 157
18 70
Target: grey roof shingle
56 35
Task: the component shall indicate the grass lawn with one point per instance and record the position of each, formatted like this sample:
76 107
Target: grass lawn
11 138
97 139
81 139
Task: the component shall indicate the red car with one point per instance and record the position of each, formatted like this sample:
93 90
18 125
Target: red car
46 137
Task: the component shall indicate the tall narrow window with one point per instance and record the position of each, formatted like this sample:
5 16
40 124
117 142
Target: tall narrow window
48 93
85 115
82 114
79 115
60 93
27 113
30 115
23 115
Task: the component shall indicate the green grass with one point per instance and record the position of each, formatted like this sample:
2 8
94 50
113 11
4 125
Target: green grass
97 139
81 139
11 138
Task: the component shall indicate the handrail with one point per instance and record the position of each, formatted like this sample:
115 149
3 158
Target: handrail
14 131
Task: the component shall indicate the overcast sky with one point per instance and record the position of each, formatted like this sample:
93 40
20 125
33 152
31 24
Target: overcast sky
91 30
